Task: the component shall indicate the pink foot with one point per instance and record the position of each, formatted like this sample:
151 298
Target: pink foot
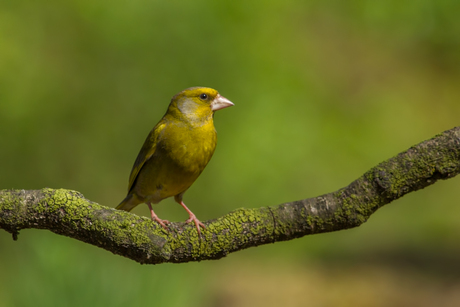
197 222
157 219
161 222
192 217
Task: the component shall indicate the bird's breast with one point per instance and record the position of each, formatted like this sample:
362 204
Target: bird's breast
191 148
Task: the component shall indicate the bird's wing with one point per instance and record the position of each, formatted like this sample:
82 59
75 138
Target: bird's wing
148 149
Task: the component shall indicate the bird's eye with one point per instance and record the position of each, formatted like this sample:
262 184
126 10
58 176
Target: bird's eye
203 96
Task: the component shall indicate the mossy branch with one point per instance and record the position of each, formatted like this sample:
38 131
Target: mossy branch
68 213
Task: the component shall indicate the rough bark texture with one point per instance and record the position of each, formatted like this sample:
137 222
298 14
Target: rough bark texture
68 213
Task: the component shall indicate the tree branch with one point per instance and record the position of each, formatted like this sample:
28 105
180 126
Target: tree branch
68 213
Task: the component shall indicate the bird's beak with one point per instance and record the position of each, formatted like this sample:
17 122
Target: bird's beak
220 102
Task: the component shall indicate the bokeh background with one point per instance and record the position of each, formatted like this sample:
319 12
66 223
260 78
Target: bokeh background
323 90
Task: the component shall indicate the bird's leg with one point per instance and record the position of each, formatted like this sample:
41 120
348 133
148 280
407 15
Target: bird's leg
192 217
157 219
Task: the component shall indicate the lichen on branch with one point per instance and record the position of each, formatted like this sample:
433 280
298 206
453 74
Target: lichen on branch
68 213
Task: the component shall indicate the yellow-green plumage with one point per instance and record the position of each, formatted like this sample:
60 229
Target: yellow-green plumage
176 151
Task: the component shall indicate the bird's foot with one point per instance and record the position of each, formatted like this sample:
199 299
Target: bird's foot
197 222
157 219
192 216
161 222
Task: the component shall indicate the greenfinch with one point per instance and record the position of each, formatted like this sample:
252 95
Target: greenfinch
176 151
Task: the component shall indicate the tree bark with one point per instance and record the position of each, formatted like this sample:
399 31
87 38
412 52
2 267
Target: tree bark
68 213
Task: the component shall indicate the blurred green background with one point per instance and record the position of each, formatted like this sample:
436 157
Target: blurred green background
323 90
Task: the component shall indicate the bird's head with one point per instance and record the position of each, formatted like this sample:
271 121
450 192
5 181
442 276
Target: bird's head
198 103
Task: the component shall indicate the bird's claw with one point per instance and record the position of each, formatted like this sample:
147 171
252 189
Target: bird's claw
157 219
197 222
162 223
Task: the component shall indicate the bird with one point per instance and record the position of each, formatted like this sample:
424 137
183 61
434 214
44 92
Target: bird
175 152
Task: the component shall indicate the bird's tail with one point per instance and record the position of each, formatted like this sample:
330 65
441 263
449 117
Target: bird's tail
130 201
